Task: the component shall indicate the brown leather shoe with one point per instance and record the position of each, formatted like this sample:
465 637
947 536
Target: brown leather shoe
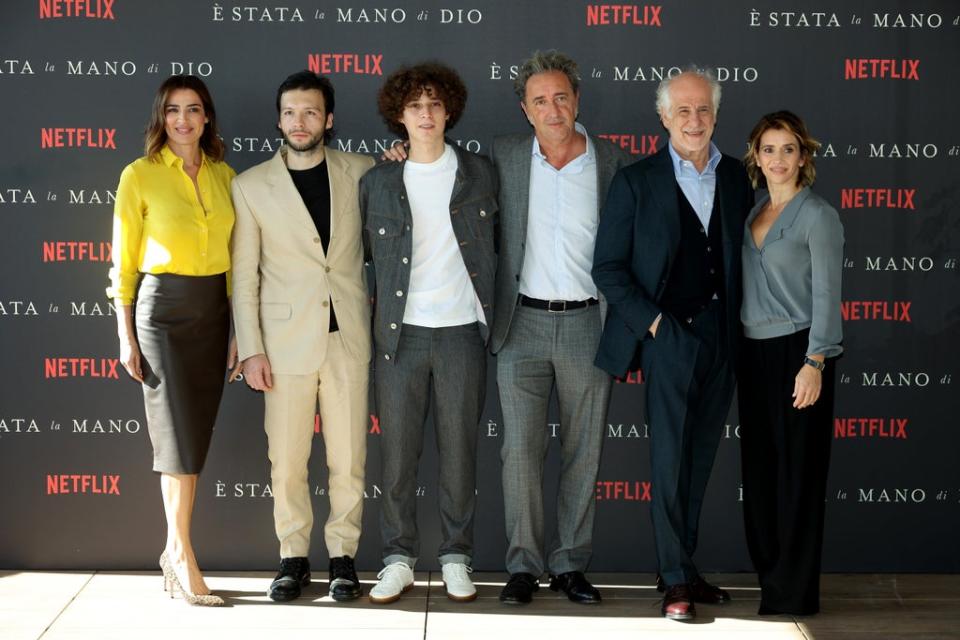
706 593
678 603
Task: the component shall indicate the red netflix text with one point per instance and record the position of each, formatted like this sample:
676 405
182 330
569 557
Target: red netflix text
870 428
101 9
76 251
81 368
60 137
59 484
866 68
890 311
642 145
877 199
355 63
646 15
633 490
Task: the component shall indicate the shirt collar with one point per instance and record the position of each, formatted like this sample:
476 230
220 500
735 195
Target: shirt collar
170 158
712 163
579 128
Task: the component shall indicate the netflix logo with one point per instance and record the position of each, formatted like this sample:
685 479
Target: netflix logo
646 15
81 368
865 198
846 428
86 138
628 490
98 9
881 68
892 311
641 145
63 484
76 251
374 429
632 377
351 63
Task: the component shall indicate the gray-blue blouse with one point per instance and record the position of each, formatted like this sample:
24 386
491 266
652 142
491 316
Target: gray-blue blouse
792 282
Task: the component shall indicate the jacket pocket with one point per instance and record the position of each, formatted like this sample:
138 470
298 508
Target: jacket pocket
384 234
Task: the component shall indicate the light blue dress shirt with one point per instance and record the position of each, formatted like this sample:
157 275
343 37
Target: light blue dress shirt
698 187
562 221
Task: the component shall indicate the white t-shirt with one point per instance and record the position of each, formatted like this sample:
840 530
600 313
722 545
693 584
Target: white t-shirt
440 292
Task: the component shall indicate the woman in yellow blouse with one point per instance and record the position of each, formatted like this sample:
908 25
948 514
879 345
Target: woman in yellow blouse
171 230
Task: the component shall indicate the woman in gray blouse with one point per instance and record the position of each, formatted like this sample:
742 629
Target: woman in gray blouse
792 261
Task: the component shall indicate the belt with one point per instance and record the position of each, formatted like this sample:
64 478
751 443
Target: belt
556 306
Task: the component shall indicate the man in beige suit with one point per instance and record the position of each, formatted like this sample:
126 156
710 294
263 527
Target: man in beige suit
302 316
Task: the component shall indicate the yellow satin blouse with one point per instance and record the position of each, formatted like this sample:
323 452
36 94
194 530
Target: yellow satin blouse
159 225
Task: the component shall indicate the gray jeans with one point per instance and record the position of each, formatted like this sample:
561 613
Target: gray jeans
545 349
452 362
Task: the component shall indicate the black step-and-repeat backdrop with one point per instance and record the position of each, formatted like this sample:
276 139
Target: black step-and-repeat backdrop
876 81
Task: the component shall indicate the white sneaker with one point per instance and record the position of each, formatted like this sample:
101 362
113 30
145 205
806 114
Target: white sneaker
395 579
457 581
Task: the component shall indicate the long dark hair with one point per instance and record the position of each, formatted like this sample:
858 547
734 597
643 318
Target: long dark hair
155 136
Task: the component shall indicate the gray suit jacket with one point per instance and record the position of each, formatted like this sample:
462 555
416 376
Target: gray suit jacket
512 157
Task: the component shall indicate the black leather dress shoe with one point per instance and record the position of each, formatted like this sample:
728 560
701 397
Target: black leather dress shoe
706 593
293 575
519 589
678 603
344 584
576 586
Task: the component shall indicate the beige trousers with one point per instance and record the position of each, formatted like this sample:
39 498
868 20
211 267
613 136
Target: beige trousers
340 385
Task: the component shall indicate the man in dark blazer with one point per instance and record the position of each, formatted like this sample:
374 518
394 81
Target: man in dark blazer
547 325
668 261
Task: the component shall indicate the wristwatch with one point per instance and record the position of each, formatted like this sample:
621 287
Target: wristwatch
816 364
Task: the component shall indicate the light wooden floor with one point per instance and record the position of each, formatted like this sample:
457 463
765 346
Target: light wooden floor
132 606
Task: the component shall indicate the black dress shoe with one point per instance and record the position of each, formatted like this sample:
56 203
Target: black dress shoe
678 603
706 593
293 575
576 586
519 589
344 584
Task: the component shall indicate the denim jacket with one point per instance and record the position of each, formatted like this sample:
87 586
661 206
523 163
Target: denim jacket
388 240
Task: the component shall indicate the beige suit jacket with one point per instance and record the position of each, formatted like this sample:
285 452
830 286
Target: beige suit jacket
282 279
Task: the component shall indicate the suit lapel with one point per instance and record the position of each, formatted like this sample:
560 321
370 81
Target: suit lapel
520 168
338 173
663 185
731 222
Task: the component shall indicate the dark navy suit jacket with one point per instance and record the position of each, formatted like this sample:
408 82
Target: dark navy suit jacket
637 243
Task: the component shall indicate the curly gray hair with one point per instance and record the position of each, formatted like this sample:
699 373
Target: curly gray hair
543 61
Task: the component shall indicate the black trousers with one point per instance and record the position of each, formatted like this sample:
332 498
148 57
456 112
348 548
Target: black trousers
689 389
785 456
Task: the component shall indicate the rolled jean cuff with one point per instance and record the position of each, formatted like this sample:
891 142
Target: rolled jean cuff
455 558
407 560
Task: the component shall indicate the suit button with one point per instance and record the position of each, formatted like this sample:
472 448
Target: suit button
386 356
709 249
316 241
399 294
405 260
382 231
393 325
483 214
325 303
327 269
408 227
